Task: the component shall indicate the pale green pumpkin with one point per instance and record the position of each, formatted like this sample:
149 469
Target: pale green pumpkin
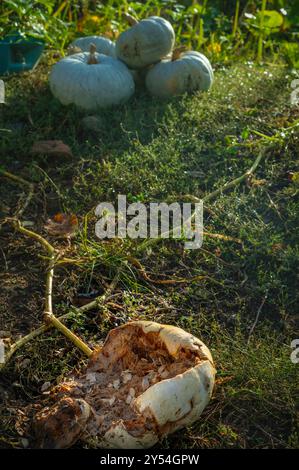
91 81
103 45
184 72
146 42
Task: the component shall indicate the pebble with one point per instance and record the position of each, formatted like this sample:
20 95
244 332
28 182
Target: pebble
4 334
92 123
112 400
91 377
45 386
129 399
126 376
25 442
145 383
116 384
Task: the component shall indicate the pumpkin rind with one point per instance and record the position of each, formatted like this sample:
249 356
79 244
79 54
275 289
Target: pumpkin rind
159 409
91 86
145 43
103 45
190 72
174 403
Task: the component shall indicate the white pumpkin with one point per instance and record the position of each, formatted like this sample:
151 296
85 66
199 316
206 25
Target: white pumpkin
91 81
147 381
103 45
183 72
146 42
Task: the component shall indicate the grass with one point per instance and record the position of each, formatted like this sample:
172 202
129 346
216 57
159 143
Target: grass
157 151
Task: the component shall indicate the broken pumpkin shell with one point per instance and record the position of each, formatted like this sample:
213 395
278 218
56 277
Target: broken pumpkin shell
171 379
73 415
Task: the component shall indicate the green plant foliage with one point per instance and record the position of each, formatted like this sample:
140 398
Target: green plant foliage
225 31
273 20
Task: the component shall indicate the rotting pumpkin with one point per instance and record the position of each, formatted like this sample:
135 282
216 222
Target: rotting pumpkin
147 381
91 80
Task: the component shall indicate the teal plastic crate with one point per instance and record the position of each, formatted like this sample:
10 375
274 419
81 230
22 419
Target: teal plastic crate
18 54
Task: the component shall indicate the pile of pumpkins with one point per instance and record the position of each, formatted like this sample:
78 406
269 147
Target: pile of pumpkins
99 73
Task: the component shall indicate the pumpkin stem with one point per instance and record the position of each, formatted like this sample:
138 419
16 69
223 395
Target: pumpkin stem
92 58
130 19
176 54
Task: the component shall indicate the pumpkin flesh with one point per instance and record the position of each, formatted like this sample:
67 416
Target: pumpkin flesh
147 381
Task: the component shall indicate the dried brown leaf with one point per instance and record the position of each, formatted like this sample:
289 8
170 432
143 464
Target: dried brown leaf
62 225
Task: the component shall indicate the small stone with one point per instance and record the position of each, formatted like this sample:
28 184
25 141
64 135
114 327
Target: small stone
91 377
100 377
92 123
116 384
25 442
105 401
112 400
99 421
25 363
4 334
151 374
45 386
129 399
145 383
164 374
153 378
126 377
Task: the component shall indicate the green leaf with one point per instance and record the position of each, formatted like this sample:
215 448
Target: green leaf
272 20
245 134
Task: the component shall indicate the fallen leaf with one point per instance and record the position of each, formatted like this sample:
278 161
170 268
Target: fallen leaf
295 178
53 148
84 298
62 225
223 380
276 247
